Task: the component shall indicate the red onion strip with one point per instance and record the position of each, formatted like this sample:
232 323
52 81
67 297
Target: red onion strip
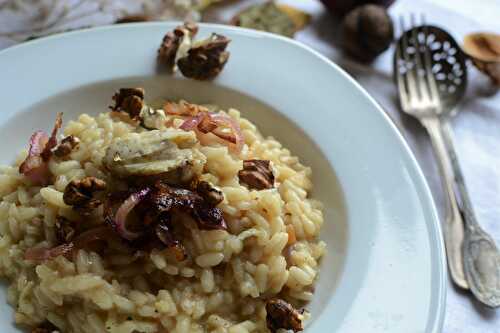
40 254
35 165
216 124
38 141
123 211
47 151
235 137
192 122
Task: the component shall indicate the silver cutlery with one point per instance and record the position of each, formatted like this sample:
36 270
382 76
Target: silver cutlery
430 72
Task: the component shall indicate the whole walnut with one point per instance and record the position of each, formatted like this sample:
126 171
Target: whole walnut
367 31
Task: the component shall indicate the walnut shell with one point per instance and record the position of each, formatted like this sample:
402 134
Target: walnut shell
484 50
367 31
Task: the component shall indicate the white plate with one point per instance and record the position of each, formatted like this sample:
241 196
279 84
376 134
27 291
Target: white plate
384 270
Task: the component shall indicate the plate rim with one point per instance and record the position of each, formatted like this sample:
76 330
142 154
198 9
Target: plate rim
436 313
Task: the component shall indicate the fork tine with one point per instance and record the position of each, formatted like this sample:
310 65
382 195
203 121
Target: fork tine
410 73
400 80
434 94
422 83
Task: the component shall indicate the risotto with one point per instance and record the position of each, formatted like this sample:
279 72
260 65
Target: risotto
179 218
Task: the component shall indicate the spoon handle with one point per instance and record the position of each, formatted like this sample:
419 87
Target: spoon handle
481 256
462 193
454 226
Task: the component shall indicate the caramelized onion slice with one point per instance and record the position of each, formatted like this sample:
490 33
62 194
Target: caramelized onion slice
120 220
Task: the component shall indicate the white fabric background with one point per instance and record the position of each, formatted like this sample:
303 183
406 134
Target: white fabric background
477 127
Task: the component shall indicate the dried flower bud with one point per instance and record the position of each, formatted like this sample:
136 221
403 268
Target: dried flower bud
206 59
367 31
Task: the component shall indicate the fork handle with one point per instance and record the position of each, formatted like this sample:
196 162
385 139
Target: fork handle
454 224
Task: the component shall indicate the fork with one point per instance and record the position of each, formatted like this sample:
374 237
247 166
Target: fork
476 261
419 99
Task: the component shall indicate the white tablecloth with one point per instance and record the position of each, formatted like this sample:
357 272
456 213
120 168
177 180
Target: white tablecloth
477 127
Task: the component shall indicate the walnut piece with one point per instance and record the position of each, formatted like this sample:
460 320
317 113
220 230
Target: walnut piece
66 146
208 192
65 232
80 194
164 198
130 101
205 59
281 314
257 174
174 41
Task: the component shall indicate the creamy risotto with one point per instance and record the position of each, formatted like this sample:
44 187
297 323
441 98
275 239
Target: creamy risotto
175 218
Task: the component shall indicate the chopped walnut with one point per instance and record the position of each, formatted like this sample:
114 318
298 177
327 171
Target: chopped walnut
257 174
130 101
281 314
165 197
66 146
65 231
206 59
79 194
176 42
208 192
